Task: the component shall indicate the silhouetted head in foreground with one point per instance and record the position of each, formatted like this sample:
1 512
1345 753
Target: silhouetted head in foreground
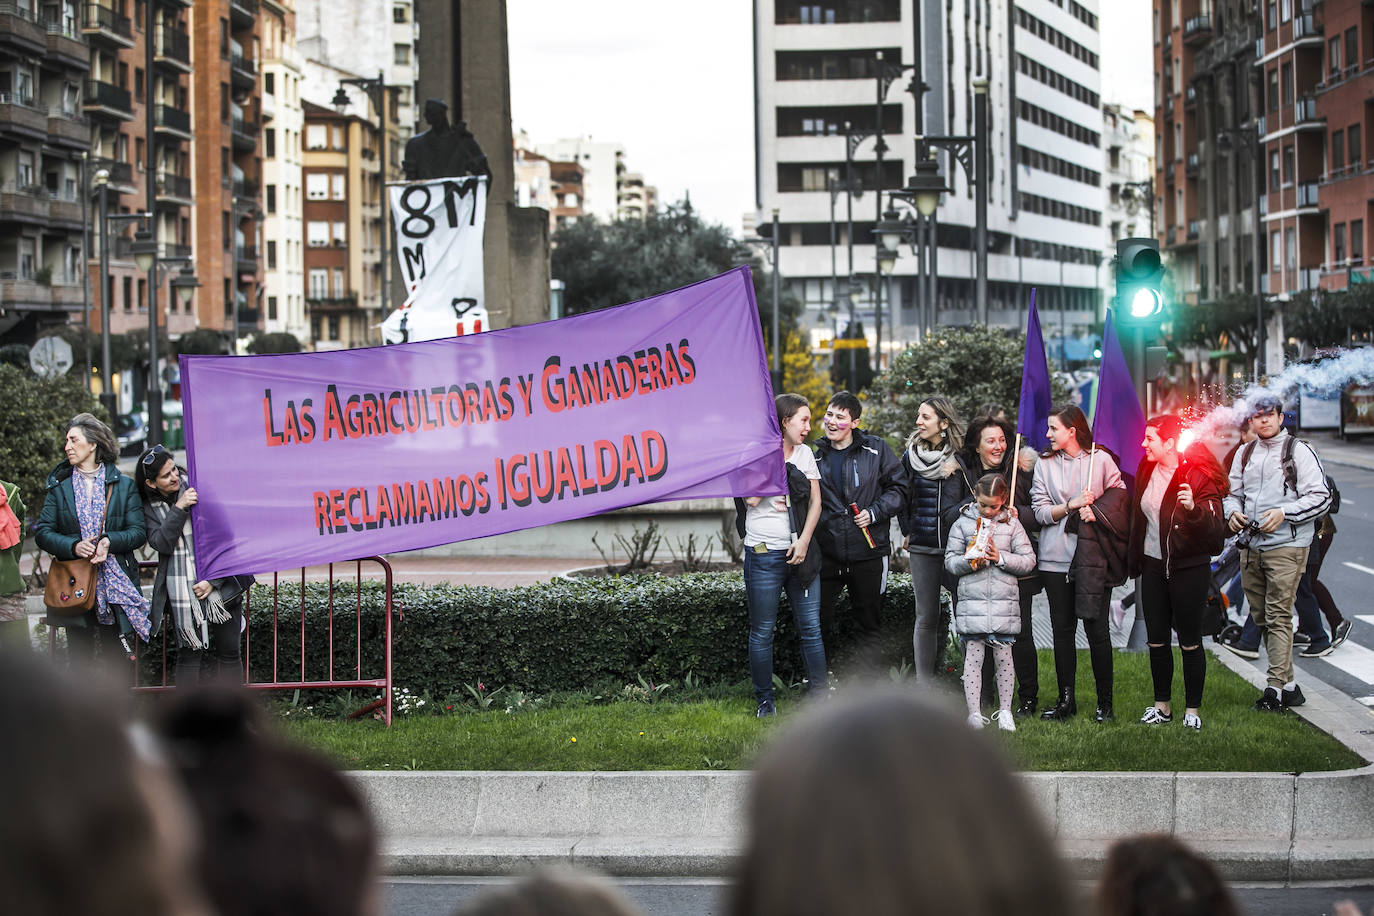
551 892
884 804
1156 875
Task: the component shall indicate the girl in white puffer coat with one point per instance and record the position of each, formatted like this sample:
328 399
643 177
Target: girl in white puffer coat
988 549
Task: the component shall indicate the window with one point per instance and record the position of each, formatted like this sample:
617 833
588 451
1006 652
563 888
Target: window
340 233
1285 10
271 254
269 84
336 137
1352 47
319 283
142 294
1352 145
336 185
317 186
400 13
1274 89
228 298
1338 244
316 136
226 228
401 55
271 308
1286 84
1287 166
1290 249
139 161
224 160
129 294
317 234
1357 242
269 143
1338 150
339 291
224 38
333 327
1277 244
1333 56
138 81
25 168
271 198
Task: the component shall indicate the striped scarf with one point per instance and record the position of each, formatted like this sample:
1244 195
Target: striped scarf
192 615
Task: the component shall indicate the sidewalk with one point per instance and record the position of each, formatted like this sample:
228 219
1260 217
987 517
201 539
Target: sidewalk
1355 452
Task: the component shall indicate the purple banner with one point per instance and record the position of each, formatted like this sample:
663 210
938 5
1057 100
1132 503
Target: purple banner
308 458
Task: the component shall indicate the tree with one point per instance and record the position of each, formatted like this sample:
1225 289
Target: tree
803 374
274 343
33 424
1228 323
970 366
1330 319
606 264
202 341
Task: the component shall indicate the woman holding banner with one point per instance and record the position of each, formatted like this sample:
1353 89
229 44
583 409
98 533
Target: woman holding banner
1070 479
779 556
927 462
986 451
208 614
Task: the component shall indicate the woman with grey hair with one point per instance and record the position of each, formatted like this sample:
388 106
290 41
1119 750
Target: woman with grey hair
91 511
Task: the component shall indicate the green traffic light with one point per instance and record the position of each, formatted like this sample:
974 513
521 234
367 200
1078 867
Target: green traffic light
1146 303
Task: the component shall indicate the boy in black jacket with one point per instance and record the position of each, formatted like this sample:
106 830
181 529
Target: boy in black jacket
861 490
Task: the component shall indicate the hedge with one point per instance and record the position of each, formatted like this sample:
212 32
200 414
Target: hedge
559 635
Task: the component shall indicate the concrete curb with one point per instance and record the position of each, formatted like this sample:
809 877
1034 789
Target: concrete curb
1255 826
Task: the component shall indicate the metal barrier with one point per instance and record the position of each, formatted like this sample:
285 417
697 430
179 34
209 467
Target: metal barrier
277 682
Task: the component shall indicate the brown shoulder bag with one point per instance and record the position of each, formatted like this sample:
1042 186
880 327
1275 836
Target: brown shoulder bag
70 587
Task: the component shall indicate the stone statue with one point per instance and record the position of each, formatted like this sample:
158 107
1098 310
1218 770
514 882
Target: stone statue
443 151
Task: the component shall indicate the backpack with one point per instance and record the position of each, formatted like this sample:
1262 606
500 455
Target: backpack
1290 471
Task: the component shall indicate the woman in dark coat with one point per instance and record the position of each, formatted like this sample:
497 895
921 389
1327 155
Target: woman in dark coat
92 511
1178 526
988 449
207 613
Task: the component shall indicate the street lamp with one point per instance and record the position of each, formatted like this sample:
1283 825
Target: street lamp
375 89
101 180
769 246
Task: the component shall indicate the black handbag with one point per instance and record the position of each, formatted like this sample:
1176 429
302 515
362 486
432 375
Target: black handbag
799 496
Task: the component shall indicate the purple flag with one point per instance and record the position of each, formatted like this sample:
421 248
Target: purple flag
1033 410
1118 421
307 458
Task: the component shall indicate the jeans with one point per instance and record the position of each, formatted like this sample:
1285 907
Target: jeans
765 577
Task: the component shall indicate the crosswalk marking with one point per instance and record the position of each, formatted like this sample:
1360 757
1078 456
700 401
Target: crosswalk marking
1354 660
1363 569
1368 701
1367 618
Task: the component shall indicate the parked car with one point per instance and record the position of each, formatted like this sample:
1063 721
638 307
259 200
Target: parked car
131 429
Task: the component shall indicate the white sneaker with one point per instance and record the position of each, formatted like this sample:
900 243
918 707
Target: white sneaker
1005 720
1191 720
1154 716
977 721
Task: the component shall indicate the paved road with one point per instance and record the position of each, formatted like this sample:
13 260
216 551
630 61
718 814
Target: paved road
706 897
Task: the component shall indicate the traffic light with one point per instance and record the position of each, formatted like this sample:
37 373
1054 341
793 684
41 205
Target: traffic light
1139 276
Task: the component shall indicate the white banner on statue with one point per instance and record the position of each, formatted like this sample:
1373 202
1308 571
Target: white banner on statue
439 226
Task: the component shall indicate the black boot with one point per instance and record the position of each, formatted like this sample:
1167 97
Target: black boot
1064 709
1104 711
1026 707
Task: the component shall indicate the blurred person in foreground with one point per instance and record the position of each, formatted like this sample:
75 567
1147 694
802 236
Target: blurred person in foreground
551 892
282 832
1156 875
89 824
882 803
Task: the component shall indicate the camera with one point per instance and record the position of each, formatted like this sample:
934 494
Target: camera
1246 535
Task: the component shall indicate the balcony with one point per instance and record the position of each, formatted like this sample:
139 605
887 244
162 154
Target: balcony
21 115
1305 113
1307 195
245 133
107 100
68 129
245 190
1197 30
29 293
267 105
245 259
19 29
172 121
1305 27
333 303
121 174
66 46
172 49
102 24
242 13
243 72
1190 167
174 189
1190 96
24 203
1194 228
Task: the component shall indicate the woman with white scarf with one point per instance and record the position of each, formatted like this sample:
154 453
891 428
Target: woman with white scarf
207 614
927 461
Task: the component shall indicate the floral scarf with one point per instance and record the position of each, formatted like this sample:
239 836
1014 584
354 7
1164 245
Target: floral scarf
112 586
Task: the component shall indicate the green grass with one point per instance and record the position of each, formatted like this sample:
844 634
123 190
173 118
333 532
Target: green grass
715 728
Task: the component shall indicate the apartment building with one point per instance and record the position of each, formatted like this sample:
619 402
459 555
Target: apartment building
1128 140
44 63
342 214
818 69
283 126
227 48
347 34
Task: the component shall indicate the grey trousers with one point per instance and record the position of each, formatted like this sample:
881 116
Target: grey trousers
927 570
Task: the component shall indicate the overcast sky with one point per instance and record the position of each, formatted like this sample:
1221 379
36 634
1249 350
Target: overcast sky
674 84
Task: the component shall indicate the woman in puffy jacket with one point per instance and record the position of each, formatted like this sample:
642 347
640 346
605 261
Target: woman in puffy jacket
927 461
988 549
1178 526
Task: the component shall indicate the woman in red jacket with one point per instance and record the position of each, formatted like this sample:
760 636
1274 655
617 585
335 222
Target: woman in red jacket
1178 527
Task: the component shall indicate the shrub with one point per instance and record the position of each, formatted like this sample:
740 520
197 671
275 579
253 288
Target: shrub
33 424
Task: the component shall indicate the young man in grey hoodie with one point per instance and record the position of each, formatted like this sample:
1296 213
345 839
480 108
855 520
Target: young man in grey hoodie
1280 515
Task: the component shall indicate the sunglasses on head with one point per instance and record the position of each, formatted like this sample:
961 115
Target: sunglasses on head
153 453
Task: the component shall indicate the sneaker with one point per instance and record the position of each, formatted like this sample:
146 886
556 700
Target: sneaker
977 721
1293 696
766 710
1005 720
1269 701
1242 651
1317 650
1340 633
1155 716
1301 639
1191 720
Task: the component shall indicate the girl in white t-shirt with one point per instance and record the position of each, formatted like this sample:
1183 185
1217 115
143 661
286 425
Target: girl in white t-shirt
777 540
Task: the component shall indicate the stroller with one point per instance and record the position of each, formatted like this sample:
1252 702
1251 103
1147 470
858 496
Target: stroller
1220 618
